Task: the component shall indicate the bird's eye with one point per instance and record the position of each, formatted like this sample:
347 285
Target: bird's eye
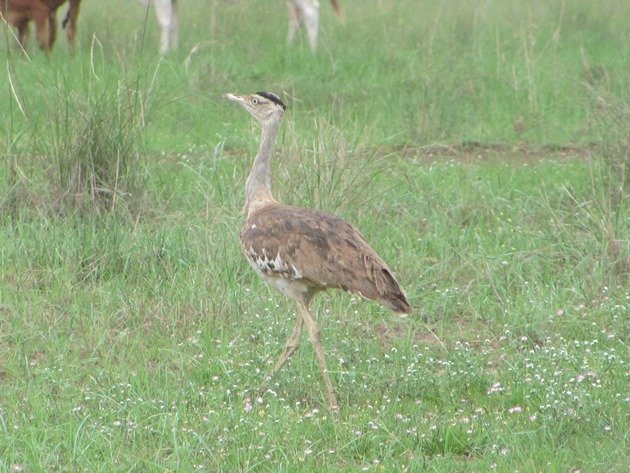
255 101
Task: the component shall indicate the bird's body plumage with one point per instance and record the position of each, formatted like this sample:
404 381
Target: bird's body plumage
317 251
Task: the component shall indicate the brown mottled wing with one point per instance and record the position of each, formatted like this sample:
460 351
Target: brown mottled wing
318 249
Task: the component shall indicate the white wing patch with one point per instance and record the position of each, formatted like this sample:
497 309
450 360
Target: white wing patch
266 266
297 272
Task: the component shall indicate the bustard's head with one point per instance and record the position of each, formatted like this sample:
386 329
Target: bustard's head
264 106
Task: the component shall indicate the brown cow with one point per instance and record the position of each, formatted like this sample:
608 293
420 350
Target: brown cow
43 13
70 21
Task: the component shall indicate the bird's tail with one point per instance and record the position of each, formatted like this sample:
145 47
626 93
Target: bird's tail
400 305
338 10
384 286
393 296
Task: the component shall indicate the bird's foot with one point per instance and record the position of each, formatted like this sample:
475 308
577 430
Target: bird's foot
332 402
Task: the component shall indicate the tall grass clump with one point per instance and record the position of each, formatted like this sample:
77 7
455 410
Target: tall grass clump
335 175
76 147
95 152
610 184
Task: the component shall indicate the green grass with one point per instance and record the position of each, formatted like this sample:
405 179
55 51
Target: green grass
448 72
480 147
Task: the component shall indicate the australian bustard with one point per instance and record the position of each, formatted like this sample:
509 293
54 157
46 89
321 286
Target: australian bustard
301 252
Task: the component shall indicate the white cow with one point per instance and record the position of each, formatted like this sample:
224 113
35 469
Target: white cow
306 12
301 12
168 19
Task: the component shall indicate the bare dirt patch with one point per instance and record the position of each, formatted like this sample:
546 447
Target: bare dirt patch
390 333
469 152
474 152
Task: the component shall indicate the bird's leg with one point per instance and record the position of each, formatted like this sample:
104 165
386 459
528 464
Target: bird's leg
292 344
313 334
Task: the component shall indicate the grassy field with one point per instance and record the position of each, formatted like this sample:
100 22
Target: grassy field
481 147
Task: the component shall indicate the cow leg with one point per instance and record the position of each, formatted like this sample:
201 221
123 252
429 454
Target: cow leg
174 26
70 22
164 14
310 16
52 30
303 12
22 28
294 20
42 26
311 21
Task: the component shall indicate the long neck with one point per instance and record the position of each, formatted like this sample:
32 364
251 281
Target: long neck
258 186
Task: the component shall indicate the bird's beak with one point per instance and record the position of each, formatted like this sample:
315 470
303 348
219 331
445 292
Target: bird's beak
235 98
